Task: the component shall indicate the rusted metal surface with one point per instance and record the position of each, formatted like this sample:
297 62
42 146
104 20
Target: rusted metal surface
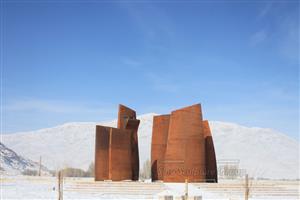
181 146
116 149
102 153
158 145
210 155
124 115
120 160
184 157
127 120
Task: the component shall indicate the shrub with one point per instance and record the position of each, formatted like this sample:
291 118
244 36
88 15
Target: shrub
91 170
30 172
73 172
146 170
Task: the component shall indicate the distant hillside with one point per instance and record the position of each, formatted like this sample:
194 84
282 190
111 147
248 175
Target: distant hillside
263 152
12 163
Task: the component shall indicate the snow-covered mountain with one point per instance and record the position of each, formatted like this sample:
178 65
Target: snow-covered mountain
262 152
12 163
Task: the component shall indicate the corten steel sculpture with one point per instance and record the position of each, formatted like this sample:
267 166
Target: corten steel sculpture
210 156
182 147
127 120
159 144
116 153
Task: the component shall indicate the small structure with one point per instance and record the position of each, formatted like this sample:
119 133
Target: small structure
116 152
230 169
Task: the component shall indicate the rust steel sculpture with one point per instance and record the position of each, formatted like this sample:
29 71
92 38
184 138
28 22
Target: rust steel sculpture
182 147
116 149
210 156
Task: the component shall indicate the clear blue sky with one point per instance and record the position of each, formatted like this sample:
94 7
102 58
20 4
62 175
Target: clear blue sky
66 61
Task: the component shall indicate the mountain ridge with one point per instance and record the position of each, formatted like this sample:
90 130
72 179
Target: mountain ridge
72 145
12 163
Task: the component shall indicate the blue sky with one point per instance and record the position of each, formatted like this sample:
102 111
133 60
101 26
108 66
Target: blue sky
66 61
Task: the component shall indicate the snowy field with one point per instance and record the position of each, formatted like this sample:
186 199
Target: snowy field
25 187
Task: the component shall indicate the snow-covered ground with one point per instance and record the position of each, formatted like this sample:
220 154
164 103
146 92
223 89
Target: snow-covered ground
25 187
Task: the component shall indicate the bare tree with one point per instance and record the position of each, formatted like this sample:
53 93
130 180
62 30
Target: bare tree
146 170
91 170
